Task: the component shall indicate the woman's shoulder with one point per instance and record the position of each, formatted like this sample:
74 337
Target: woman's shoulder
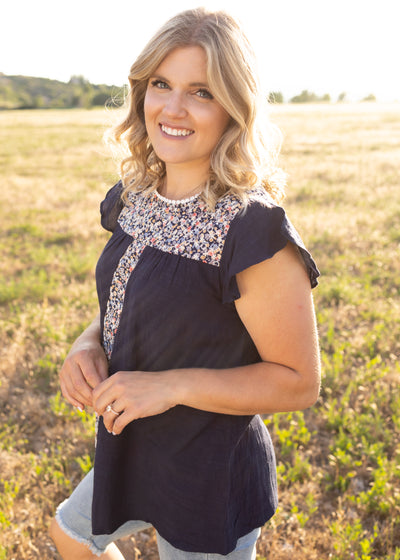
257 205
260 196
259 230
257 196
255 214
111 206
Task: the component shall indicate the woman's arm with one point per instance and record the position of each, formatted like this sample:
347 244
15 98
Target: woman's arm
276 308
84 367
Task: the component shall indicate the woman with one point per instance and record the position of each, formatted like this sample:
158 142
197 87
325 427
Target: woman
206 316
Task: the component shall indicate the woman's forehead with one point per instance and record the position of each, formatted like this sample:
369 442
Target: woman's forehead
188 63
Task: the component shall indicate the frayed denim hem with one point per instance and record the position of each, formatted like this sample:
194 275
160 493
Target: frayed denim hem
90 544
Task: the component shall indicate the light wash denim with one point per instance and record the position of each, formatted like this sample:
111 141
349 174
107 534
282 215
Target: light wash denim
74 518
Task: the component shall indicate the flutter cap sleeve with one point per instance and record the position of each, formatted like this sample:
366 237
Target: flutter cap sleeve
111 207
256 234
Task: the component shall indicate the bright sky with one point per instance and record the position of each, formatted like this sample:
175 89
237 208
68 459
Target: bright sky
324 46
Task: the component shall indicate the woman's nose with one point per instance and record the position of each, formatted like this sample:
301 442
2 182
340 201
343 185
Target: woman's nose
175 105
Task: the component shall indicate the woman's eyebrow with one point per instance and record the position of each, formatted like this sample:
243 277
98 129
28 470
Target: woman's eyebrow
158 77
199 84
192 84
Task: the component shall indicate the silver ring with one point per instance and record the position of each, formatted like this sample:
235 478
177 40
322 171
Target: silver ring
110 409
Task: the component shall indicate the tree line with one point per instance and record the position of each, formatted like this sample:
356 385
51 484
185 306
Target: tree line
310 97
25 92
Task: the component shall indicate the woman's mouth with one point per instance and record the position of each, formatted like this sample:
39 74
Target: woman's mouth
170 131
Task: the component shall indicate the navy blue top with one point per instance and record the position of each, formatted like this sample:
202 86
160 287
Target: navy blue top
166 286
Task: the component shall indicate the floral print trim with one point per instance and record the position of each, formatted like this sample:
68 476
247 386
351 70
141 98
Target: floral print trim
188 229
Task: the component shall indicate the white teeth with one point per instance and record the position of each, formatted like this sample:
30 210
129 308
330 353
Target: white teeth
176 131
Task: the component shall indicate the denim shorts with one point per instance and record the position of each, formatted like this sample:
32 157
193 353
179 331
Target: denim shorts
74 518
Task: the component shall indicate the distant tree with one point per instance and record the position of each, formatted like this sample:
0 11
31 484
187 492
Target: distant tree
39 102
370 97
100 98
304 97
342 97
78 80
275 97
310 97
75 99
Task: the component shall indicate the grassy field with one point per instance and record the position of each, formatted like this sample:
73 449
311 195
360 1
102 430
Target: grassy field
339 462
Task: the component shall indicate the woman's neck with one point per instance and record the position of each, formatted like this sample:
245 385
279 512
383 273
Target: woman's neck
179 194
180 183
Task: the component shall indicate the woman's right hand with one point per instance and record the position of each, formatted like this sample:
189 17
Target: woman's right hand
84 368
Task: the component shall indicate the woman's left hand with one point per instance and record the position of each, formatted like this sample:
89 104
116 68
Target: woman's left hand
129 395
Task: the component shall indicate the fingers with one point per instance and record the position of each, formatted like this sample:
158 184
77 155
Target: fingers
101 364
116 421
67 396
75 388
117 389
81 372
106 392
112 401
93 365
110 416
120 423
110 408
134 395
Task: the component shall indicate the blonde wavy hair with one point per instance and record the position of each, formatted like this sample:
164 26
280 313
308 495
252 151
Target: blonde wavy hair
246 155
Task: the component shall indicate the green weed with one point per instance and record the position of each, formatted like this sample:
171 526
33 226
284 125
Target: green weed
85 463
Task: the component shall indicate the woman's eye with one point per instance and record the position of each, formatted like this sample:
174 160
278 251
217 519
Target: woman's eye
159 84
204 93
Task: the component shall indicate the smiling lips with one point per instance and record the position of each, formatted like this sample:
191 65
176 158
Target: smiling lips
176 131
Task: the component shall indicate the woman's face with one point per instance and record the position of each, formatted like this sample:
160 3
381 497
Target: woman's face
183 120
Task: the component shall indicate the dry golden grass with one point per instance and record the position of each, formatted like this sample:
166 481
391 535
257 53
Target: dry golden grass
339 461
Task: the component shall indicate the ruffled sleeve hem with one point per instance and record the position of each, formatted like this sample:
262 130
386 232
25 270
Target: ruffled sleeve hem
111 207
257 234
